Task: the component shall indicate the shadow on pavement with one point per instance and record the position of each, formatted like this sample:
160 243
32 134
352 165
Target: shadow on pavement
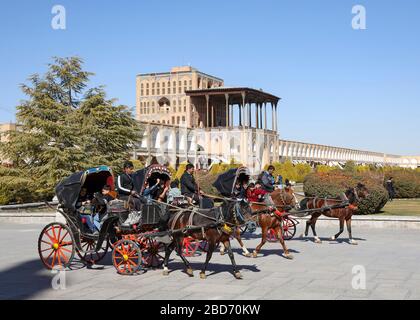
24 280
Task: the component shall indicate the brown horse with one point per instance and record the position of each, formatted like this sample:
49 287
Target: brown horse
267 220
214 225
353 195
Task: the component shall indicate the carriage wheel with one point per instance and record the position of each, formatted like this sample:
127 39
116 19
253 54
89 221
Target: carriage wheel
289 229
272 236
151 253
126 257
56 246
88 253
190 246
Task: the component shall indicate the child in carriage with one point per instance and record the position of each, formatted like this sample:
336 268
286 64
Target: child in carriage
255 193
97 209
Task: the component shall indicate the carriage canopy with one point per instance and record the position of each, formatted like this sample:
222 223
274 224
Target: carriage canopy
92 179
150 174
225 182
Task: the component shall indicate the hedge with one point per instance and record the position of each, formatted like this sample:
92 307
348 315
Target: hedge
406 182
332 184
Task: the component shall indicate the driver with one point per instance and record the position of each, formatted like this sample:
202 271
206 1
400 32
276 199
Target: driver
189 187
125 188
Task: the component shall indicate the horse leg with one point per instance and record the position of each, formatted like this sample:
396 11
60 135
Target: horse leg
264 229
179 251
168 250
222 249
236 272
348 223
340 231
308 223
313 223
279 231
208 257
245 251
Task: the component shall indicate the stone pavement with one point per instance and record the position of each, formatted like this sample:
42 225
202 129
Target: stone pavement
390 257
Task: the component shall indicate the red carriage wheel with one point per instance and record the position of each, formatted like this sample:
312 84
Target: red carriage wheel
190 246
151 252
126 257
56 246
289 229
272 236
88 253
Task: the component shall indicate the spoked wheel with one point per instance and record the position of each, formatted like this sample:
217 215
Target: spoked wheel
88 253
56 246
126 257
190 246
151 253
289 228
272 236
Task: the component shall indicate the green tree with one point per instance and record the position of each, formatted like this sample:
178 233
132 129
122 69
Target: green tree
65 127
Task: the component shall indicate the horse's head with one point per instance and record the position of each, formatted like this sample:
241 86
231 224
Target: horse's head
357 193
285 197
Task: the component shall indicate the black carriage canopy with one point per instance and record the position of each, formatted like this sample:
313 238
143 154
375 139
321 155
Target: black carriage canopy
93 180
225 183
150 174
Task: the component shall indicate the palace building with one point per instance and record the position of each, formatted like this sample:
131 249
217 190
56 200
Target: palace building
188 115
161 97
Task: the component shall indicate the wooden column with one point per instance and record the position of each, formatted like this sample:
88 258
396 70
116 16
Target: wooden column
265 116
240 114
257 118
207 111
227 109
243 108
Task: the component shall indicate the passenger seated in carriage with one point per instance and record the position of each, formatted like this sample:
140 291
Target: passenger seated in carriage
150 191
254 192
239 191
174 196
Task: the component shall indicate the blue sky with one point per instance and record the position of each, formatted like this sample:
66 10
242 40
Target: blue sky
339 86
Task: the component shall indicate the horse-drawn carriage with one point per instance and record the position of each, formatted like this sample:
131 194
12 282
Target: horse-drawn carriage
59 242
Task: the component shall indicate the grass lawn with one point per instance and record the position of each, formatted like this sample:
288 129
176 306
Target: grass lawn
402 208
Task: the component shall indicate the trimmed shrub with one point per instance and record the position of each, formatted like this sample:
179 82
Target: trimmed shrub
333 183
406 182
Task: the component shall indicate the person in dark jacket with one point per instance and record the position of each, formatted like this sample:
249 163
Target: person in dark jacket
189 187
125 188
267 179
390 188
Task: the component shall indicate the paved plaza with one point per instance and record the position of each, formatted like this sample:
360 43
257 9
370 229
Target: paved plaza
390 257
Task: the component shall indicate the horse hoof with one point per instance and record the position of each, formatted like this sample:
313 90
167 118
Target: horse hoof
203 275
317 240
238 275
289 256
247 254
222 253
353 242
254 254
302 236
332 238
190 272
165 272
